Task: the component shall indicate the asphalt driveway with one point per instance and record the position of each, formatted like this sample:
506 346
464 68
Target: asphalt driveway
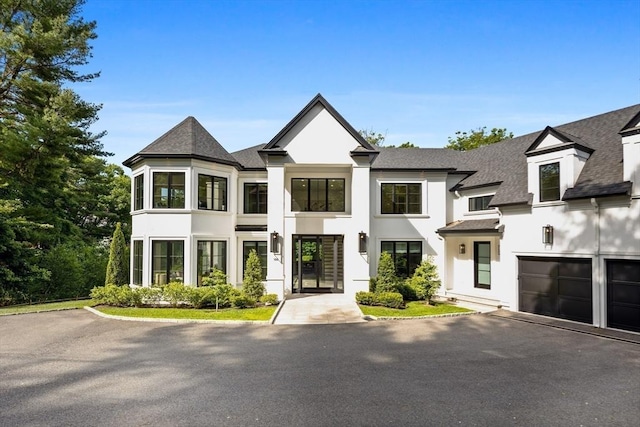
73 368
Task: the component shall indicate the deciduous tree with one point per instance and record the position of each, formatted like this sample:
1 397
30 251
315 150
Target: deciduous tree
475 138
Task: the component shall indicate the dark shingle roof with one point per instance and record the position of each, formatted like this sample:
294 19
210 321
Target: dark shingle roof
473 226
188 139
249 157
419 159
505 161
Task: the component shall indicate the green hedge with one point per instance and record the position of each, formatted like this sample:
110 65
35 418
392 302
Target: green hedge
385 299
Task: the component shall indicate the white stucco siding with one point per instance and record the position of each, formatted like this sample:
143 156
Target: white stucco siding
318 138
620 227
631 156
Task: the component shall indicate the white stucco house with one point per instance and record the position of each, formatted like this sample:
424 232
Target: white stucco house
547 223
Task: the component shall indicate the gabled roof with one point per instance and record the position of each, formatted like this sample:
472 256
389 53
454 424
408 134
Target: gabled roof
273 148
505 162
188 139
632 126
568 141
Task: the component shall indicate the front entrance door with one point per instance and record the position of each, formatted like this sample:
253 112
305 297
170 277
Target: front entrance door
317 263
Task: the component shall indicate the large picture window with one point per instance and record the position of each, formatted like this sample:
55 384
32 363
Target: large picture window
212 193
168 261
261 249
168 190
407 256
550 182
401 199
138 192
211 254
479 203
317 195
255 198
482 264
137 261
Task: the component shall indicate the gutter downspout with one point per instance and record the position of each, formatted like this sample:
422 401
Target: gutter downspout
600 291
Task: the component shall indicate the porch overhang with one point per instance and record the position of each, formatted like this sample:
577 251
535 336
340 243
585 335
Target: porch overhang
472 227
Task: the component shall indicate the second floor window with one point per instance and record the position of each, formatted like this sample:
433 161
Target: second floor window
401 199
255 198
479 203
212 193
138 191
550 182
317 195
168 190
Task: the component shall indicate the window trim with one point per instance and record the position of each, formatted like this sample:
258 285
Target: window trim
393 254
213 180
138 192
476 263
556 189
307 208
483 206
170 176
395 204
258 204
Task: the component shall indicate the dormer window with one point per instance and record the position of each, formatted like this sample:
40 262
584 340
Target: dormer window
479 203
550 182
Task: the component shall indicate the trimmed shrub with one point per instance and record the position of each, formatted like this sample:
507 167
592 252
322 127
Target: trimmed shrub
425 280
252 284
175 293
216 277
373 282
119 296
366 298
408 291
117 269
269 299
389 299
386 280
199 297
222 295
243 301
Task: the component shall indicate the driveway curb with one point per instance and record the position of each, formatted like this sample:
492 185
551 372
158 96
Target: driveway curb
159 320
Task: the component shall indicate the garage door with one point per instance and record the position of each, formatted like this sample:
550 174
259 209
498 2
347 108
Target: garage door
623 295
557 287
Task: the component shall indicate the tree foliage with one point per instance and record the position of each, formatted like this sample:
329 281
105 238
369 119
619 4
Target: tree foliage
57 193
252 284
386 280
425 280
475 138
377 139
117 268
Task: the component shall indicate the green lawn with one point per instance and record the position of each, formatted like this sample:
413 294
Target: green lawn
37 308
413 309
259 313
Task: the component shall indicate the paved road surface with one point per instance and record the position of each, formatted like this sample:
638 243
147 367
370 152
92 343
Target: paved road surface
73 368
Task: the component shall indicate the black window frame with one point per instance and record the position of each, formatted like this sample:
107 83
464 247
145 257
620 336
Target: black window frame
326 204
171 191
137 267
549 180
476 264
480 203
413 259
247 246
138 192
222 265
168 271
259 203
213 179
396 205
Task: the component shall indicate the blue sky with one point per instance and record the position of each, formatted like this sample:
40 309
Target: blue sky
414 70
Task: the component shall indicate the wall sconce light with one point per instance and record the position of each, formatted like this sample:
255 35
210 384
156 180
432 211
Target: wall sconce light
362 242
462 249
547 234
275 242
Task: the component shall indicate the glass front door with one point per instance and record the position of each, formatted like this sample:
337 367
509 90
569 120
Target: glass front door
317 263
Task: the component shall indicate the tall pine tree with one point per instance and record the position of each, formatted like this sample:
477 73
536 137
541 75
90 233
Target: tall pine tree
117 270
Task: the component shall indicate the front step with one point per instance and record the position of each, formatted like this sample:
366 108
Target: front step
472 301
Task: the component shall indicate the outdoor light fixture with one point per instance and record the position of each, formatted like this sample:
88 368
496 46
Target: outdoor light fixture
462 249
547 234
362 242
275 242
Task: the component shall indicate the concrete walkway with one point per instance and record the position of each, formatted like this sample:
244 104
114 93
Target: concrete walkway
299 309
